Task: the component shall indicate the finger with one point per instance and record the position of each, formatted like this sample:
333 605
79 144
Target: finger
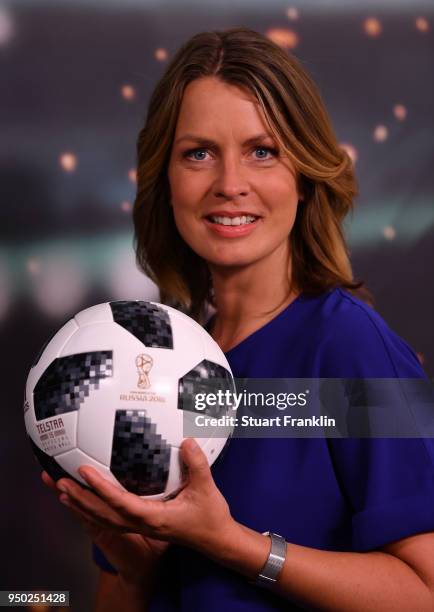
90 503
132 507
199 472
99 521
48 481
89 524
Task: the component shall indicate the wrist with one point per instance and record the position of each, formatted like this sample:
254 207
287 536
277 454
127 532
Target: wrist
275 561
239 548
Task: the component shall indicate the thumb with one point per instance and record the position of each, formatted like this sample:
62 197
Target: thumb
196 462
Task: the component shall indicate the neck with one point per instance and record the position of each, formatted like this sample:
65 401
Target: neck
248 296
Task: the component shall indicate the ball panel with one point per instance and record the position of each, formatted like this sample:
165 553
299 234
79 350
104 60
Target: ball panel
95 427
205 377
67 382
75 458
100 313
148 322
140 456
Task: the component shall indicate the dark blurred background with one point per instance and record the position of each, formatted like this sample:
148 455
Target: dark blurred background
76 79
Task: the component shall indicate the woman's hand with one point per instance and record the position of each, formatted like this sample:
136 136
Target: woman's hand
133 555
197 517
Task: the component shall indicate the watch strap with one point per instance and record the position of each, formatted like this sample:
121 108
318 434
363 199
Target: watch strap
276 559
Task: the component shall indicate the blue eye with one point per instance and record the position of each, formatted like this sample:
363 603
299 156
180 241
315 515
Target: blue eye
266 149
271 150
194 152
199 154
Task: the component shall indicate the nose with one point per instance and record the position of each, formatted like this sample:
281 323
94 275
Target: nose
231 181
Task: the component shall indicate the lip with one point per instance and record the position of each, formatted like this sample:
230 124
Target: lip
231 231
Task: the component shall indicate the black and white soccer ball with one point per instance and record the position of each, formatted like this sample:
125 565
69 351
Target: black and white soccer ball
111 389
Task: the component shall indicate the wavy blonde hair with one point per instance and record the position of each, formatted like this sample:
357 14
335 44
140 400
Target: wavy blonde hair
298 120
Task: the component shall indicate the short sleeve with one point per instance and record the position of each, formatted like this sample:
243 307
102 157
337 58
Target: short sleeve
389 485
100 559
387 482
358 343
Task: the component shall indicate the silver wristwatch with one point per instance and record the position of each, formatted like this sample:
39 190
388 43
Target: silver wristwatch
274 563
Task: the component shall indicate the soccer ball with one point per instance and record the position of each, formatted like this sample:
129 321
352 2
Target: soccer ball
113 388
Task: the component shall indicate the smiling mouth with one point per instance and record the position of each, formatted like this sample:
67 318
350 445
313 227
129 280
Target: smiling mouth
241 220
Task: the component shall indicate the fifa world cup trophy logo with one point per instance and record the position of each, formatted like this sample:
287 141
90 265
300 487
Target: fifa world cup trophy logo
144 364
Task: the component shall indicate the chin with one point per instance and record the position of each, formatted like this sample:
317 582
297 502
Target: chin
229 262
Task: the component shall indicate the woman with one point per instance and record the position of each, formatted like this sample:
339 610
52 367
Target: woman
242 189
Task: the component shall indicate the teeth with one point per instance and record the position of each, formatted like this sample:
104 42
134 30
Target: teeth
233 221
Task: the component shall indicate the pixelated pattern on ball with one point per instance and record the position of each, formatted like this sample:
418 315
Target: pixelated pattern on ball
205 377
147 322
140 457
67 382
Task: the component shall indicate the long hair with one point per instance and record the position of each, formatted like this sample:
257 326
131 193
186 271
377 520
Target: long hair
298 120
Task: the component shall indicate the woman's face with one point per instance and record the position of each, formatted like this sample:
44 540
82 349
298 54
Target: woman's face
225 166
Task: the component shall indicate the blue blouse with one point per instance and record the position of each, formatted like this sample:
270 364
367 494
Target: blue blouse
354 494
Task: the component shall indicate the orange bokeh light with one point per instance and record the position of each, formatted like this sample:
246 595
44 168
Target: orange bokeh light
161 54
284 37
128 92
400 112
389 232
351 150
422 24
381 133
292 13
68 161
372 26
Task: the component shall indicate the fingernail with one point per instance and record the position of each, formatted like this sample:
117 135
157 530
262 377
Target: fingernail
64 499
62 487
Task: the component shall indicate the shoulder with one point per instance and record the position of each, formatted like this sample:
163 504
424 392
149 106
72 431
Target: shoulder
355 338
342 309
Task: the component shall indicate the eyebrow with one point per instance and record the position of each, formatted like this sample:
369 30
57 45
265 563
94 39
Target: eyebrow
206 142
